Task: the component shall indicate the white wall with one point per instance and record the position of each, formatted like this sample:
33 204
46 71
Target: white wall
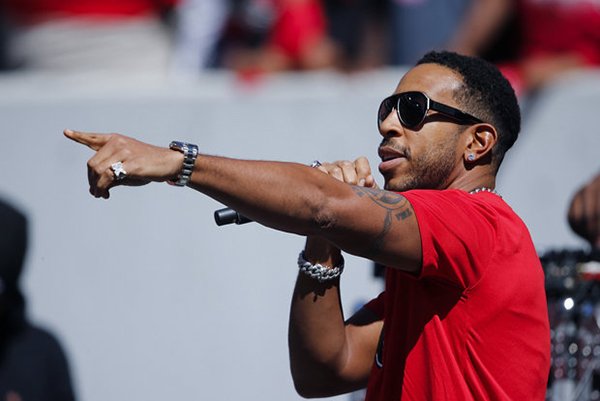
152 300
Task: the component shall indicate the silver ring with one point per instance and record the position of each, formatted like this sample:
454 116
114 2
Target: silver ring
118 171
315 164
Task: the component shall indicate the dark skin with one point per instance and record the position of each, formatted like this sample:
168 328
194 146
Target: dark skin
336 206
584 212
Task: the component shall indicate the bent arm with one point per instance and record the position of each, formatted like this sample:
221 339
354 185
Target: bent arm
328 356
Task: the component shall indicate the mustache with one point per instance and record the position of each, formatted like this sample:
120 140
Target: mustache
389 143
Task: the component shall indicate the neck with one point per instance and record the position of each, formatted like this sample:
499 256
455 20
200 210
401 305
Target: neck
470 182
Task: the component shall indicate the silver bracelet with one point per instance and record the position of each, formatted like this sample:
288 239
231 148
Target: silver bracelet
317 271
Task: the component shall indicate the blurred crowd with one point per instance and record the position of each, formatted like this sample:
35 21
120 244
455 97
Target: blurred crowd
533 40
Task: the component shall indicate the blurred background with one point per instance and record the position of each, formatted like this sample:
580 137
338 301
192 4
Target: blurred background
143 296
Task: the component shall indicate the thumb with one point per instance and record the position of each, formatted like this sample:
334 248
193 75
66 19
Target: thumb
91 140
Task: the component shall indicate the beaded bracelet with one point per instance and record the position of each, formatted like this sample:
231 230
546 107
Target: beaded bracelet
317 271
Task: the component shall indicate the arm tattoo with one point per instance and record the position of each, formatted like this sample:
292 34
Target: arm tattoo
394 204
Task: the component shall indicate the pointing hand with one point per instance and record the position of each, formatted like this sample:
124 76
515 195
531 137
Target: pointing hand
121 160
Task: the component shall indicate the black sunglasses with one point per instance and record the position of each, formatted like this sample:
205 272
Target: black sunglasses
412 107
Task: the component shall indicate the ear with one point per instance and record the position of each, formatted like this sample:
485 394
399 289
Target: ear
480 140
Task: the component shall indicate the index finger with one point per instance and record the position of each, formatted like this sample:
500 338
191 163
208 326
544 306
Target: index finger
91 140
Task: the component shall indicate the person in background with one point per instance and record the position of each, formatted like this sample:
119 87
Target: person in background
199 26
419 26
556 37
279 35
91 35
584 212
33 365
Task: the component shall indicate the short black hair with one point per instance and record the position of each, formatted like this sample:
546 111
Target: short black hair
486 94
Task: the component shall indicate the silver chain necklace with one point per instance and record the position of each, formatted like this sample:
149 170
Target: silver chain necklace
485 189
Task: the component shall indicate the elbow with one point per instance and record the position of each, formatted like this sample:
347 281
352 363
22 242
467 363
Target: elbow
316 380
304 390
309 388
305 381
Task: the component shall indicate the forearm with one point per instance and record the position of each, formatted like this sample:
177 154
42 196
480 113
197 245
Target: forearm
317 335
285 196
296 198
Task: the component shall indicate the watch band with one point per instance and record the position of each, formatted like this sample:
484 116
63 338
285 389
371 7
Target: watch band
190 153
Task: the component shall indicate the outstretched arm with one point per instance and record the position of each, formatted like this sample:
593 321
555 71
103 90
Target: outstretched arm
289 197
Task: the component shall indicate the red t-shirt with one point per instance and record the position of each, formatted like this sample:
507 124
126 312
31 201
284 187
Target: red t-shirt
474 324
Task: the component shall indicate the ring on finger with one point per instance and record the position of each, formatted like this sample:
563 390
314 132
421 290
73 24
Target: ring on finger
315 164
118 171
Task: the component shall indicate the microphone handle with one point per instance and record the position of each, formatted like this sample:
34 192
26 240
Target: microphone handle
229 216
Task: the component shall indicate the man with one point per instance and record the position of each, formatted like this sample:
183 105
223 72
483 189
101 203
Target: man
463 316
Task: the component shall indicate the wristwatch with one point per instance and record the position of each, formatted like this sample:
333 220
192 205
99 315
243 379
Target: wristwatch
190 152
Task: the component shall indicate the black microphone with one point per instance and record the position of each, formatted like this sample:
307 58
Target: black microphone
229 216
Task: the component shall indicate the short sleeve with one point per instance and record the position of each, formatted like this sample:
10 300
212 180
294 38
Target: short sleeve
458 233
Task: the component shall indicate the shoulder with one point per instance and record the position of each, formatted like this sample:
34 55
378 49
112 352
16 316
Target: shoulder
452 218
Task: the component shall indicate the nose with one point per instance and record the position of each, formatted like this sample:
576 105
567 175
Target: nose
391 125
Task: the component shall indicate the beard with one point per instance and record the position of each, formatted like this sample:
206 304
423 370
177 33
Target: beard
430 170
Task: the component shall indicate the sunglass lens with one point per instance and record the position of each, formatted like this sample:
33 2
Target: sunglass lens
412 108
385 108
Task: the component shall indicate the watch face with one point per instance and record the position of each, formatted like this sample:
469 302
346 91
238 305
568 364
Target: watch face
177 145
187 149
